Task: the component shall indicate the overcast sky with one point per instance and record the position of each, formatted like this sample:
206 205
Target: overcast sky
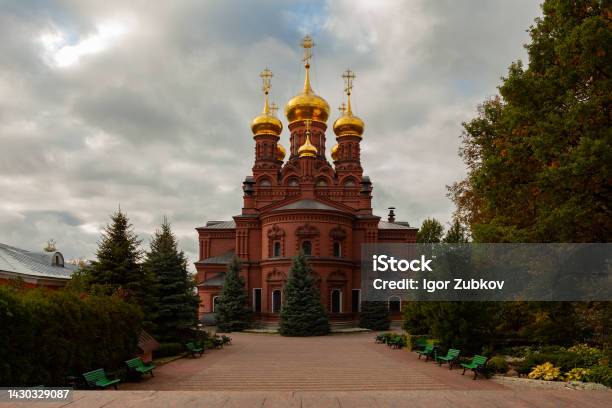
147 104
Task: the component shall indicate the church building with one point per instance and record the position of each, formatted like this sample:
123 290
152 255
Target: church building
300 200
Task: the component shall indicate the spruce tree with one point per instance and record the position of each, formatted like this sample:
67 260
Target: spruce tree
374 316
232 313
302 313
430 232
117 268
177 303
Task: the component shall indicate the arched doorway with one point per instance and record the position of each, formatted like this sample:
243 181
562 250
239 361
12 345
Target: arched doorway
336 301
276 300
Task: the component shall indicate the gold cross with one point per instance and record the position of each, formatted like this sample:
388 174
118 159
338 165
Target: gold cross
273 108
348 76
307 43
307 123
266 76
342 107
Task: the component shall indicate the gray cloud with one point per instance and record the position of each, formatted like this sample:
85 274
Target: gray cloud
153 112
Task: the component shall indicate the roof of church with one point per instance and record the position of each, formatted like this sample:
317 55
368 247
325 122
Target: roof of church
41 264
224 258
306 204
216 280
220 224
393 225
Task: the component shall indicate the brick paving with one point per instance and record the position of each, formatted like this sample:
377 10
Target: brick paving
267 371
331 363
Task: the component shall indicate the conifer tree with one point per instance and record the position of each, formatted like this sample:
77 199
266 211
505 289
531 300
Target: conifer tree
302 313
430 232
117 268
374 316
456 234
232 313
176 301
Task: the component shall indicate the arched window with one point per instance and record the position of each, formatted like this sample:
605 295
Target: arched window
215 302
276 300
394 304
336 301
293 182
307 247
276 249
349 183
265 183
337 249
321 183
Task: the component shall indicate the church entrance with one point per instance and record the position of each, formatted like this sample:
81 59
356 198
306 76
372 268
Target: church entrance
336 301
276 300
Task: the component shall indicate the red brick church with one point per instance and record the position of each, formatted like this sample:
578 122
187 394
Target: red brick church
301 202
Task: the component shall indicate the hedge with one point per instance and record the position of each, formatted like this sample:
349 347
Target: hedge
47 335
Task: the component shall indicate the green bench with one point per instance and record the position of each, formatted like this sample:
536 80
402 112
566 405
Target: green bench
138 367
451 356
396 342
98 379
429 352
478 364
192 349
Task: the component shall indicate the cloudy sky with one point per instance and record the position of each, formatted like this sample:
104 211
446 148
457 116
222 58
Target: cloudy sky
147 104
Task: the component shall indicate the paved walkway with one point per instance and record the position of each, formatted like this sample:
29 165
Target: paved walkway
331 363
334 371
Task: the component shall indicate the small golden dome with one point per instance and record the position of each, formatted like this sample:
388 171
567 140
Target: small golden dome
307 105
280 152
266 123
334 152
348 124
307 149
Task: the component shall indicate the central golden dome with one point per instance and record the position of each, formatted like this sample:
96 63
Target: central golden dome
307 105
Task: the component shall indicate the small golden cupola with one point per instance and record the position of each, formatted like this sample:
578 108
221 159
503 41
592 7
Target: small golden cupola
348 124
307 149
307 105
280 152
267 123
334 152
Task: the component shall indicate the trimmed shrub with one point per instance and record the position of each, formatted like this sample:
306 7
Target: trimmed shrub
374 316
48 335
168 349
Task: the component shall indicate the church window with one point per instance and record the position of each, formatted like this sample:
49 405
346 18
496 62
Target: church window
215 302
349 183
276 251
293 182
337 249
265 183
307 247
321 183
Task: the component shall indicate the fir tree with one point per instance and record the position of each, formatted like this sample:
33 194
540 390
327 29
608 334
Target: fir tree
117 268
374 316
456 234
232 313
302 313
177 303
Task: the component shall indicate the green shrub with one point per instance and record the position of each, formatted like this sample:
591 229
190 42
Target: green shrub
48 335
589 355
168 349
413 341
498 364
600 374
565 360
576 374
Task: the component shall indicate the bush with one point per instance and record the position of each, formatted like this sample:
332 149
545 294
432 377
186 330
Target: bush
589 355
413 341
168 349
577 374
48 335
546 371
498 364
600 374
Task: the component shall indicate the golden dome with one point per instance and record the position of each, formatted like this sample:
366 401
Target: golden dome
307 105
266 123
307 149
280 152
334 152
348 124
